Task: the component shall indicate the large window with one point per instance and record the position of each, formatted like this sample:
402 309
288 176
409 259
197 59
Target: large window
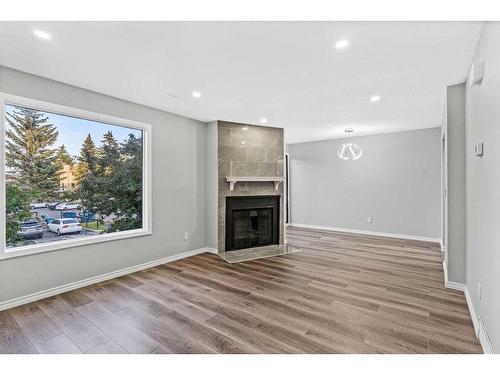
70 177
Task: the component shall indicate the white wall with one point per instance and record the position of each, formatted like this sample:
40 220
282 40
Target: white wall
483 185
177 187
397 181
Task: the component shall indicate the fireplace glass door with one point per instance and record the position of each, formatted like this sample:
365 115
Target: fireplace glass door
252 222
252 227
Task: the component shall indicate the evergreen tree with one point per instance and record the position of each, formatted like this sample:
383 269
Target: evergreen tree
87 174
128 186
87 160
16 210
105 181
28 156
110 180
63 157
110 153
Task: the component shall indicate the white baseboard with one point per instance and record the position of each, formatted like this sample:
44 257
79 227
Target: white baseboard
445 271
444 257
96 279
455 286
477 321
212 250
484 338
479 326
472 311
370 233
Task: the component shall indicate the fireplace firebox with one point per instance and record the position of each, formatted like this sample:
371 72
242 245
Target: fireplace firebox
252 221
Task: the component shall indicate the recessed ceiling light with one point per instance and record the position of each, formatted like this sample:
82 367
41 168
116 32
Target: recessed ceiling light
196 94
245 128
342 44
263 120
348 130
242 142
375 98
41 34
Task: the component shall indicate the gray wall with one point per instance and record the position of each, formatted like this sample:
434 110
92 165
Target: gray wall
211 184
455 137
396 181
483 185
177 185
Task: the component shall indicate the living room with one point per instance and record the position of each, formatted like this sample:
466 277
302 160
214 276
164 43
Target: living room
259 187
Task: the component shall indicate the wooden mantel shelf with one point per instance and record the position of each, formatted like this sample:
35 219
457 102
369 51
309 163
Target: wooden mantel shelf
233 180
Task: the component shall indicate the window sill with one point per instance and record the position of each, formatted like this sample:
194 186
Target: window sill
65 244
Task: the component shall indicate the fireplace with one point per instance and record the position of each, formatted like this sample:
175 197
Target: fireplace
252 221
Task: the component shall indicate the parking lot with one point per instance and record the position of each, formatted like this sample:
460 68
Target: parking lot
52 237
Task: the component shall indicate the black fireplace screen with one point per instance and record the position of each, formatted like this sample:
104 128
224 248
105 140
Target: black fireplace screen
251 222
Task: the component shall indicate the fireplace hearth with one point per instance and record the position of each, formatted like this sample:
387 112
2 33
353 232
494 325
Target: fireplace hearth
252 221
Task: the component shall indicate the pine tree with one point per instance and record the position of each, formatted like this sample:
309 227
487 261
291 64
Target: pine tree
87 160
16 210
63 157
103 180
128 185
87 175
28 153
110 153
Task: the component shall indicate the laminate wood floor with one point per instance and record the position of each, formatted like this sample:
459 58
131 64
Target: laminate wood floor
343 294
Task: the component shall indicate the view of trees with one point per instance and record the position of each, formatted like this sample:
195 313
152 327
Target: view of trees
28 152
110 180
16 210
108 175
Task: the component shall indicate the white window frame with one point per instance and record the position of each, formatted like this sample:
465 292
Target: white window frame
7 99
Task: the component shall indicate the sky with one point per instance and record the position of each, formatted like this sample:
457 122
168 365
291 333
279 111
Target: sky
73 131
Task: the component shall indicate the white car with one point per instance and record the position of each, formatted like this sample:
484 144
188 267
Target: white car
63 226
34 205
67 206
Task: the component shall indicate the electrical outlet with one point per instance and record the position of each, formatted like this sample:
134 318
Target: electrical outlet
370 219
186 236
479 150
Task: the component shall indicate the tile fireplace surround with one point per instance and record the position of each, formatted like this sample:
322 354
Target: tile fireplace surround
245 151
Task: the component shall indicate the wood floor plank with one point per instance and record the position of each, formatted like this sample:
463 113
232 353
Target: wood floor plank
128 337
344 293
36 325
81 331
217 341
109 347
58 345
263 343
169 336
12 338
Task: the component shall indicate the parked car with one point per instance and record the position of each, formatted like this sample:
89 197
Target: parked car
63 226
87 216
34 205
47 219
68 215
67 206
53 205
31 228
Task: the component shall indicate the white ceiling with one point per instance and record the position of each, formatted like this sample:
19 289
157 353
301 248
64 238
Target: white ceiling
288 72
